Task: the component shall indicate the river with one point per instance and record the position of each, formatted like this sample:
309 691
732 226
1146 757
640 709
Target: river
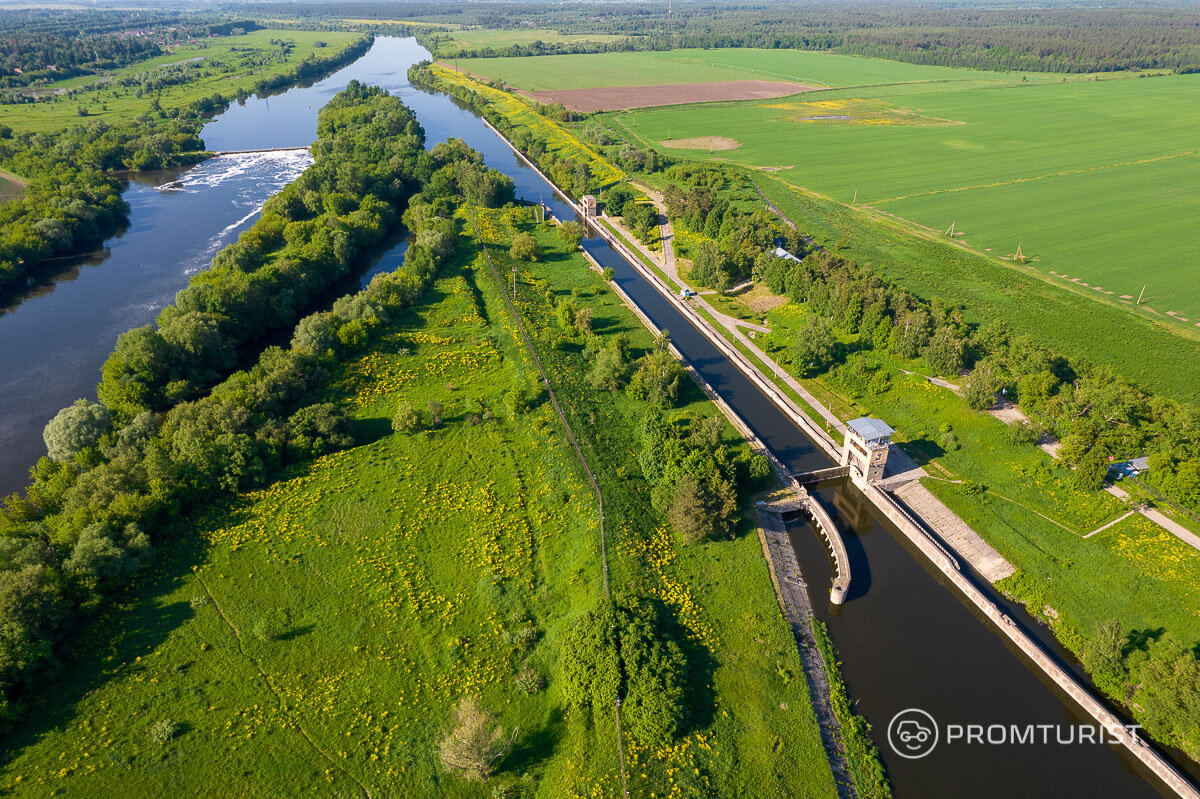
906 639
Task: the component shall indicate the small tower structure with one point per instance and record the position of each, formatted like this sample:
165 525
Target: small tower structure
865 450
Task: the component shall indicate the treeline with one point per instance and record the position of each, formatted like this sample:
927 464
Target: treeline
1031 39
741 243
316 66
117 475
72 200
54 44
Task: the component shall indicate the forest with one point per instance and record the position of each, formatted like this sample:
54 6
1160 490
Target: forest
171 429
1055 38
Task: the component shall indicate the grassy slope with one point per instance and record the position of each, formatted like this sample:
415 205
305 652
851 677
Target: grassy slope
48 116
1072 171
399 565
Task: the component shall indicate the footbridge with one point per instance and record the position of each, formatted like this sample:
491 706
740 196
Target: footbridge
798 500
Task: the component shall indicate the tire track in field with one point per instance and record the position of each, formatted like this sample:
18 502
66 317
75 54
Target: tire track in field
1015 181
237 636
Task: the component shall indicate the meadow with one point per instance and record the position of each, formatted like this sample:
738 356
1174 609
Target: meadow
470 39
311 637
113 104
588 71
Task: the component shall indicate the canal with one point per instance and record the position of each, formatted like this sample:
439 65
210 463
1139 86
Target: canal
906 639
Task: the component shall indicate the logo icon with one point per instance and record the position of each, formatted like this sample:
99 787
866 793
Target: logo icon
912 733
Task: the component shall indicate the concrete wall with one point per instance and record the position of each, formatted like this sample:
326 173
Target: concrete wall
1066 682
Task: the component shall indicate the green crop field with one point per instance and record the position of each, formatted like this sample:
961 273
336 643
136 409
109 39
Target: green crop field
587 71
114 103
310 638
479 38
1071 171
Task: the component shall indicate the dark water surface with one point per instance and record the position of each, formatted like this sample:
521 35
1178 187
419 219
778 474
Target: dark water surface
907 640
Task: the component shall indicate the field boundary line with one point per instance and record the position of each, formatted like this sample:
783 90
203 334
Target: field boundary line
917 230
1015 181
237 636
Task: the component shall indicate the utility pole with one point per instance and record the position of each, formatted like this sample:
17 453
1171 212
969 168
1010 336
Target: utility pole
514 286
1140 294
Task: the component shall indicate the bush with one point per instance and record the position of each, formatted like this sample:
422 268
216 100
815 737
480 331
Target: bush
529 681
405 419
162 731
524 248
571 233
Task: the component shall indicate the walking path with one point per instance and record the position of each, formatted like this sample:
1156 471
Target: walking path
792 593
733 325
965 542
1158 517
1011 414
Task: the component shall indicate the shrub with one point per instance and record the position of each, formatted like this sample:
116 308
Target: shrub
529 680
405 419
162 731
524 248
471 747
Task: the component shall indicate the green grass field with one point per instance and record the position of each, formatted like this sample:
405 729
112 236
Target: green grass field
479 38
122 103
586 71
1093 179
311 637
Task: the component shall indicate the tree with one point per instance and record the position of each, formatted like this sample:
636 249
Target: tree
1091 470
814 347
317 429
656 379
107 557
650 663
524 248
609 369
405 419
709 267
702 509
980 387
471 747
75 427
571 233
618 199
946 353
